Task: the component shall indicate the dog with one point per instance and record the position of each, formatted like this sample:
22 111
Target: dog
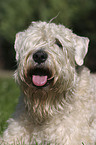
57 104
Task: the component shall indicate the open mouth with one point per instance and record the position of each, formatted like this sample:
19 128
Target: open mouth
40 77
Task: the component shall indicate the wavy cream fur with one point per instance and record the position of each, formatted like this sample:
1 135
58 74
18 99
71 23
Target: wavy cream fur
64 112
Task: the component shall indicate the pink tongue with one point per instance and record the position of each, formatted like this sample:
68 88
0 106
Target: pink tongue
39 80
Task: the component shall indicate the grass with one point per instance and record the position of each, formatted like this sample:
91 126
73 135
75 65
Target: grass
9 93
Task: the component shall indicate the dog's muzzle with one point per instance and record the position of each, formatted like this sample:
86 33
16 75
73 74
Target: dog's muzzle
40 75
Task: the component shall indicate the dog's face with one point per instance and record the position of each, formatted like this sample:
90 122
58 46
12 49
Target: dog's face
47 53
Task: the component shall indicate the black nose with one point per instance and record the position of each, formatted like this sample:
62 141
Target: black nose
40 56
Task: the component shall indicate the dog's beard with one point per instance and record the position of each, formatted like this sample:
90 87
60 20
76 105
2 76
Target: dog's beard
41 104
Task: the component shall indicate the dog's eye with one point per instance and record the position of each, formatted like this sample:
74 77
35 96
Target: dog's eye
57 42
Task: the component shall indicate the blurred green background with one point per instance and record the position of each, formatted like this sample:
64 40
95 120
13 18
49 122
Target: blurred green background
16 15
9 93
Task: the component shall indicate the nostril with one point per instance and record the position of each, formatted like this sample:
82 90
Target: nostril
40 56
35 56
43 57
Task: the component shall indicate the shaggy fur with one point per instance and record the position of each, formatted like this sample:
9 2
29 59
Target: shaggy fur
62 108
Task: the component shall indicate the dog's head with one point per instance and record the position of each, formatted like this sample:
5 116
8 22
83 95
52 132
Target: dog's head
47 52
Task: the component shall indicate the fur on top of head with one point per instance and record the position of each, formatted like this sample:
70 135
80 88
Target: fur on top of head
50 32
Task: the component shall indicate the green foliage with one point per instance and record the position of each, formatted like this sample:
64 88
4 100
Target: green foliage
9 93
15 15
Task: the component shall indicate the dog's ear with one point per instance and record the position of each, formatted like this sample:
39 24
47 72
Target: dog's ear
18 44
81 48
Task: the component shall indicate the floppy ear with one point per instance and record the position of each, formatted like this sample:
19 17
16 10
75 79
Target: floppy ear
81 48
18 44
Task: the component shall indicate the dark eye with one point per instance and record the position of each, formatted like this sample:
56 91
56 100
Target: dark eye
57 42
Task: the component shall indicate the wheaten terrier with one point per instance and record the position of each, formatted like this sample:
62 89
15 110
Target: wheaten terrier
58 101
